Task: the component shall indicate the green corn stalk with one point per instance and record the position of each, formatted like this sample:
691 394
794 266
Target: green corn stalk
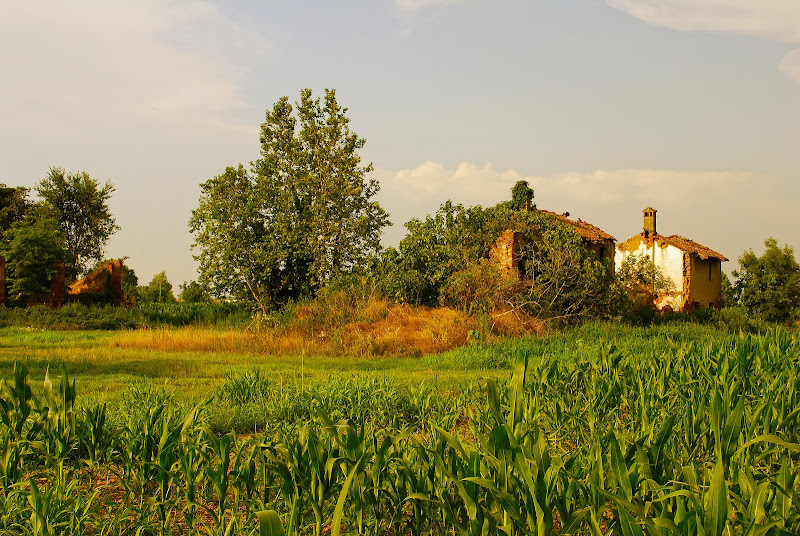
217 459
40 510
269 523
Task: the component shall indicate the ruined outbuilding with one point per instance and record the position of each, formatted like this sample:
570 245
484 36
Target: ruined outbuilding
98 280
695 270
508 246
86 290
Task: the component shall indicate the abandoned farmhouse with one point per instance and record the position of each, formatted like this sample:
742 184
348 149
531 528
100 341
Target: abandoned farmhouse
694 270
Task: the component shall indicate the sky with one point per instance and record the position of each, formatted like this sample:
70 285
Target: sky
605 107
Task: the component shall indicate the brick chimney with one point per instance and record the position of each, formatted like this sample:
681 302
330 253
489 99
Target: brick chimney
649 221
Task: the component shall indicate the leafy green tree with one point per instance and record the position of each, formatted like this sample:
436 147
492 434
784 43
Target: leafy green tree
14 205
438 246
130 285
80 206
639 272
442 260
769 285
193 292
303 214
159 290
730 297
566 280
521 195
32 246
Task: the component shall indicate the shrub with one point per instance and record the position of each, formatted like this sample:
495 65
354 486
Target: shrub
769 285
480 287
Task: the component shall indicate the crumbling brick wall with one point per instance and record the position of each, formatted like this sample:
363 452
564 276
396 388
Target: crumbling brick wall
94 282
506 251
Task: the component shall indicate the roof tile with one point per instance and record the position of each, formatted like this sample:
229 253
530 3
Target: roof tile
586 230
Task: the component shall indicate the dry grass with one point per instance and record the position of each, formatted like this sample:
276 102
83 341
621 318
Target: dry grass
515 323
187 339
370 327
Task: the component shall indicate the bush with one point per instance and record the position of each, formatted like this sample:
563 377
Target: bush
82 316
244 387
480 288
737 319
769 285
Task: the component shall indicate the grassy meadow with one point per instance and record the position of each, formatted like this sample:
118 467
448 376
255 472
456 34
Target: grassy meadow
190 364
605 428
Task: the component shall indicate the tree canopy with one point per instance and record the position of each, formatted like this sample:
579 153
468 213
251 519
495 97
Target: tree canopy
302 215
521 195
79 204
31 247
769 285
159 290
14 205
193 292
444 260
639 273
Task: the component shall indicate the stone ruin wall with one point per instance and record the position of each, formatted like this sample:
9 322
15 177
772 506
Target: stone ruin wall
93 283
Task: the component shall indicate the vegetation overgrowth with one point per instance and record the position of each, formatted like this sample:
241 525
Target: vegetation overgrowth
673 429
144 315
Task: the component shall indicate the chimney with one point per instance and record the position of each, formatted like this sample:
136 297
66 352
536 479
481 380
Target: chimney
649 221
528 199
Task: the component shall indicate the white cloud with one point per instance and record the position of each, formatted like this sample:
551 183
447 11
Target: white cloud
117 58
790 65
413 5
774 20
777 20
727 210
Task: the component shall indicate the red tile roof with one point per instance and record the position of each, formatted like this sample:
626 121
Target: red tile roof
586 230
690 246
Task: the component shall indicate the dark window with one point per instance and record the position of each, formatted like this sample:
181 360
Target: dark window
709 269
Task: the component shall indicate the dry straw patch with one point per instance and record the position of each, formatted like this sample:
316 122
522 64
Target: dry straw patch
515 323
187 339
371 327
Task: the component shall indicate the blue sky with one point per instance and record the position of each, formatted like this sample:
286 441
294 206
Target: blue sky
605 107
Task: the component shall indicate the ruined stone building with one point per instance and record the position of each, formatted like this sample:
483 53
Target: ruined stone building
84 290
507 249
695 270
94 282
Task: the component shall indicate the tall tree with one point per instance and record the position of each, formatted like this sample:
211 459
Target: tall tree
769 285
32 246
80 206
303 214
522 195
159 290
193 292
14 205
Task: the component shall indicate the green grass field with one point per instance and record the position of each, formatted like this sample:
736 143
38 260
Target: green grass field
604 429
193 363
189 365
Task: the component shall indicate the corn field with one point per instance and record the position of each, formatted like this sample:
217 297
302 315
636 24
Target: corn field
702 439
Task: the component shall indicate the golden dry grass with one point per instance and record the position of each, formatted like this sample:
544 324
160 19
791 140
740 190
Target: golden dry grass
187 339
374 327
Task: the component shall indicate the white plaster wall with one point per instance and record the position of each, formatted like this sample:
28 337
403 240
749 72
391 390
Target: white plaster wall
668 259
671 265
